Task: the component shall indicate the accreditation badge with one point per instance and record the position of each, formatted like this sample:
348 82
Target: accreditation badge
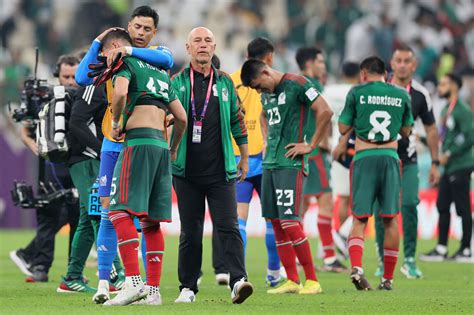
197 131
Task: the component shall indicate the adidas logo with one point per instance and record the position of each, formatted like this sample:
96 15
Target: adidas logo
102 248
288 211
112 202
154 259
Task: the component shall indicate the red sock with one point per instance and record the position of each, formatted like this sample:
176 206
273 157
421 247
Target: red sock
285 251
390 256
356 249
301 246
155 248
325 234
127 241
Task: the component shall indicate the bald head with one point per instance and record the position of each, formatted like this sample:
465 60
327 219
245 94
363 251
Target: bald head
201 45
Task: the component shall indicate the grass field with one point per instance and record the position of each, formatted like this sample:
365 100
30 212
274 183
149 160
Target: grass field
447 288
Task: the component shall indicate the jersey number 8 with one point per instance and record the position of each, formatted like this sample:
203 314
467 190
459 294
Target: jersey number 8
380 126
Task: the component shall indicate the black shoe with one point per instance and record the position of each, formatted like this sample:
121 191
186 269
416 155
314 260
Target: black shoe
386 285
21 262
433 255
359 280
335 266
463 255
39 275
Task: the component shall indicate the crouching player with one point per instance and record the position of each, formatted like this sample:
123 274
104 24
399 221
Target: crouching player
141 185
377 112
285 105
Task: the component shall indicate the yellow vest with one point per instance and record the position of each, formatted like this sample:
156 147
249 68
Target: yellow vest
251 105
107 120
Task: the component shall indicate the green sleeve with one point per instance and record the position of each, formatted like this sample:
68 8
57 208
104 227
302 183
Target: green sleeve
348 112
407 114
237 123
172 95
124 71
307 94
463 119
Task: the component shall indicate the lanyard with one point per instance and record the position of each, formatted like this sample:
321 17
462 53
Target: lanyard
206 101
451 107
408 87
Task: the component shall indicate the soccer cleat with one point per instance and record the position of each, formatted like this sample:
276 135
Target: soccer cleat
153 297
287 287
21 262
39 275
78 285
359 280
128 295
222 278
311 287
241 291
272 281
410 270
379 271
386 285
117 281
102 295
334 265
462 256
186 296
433 256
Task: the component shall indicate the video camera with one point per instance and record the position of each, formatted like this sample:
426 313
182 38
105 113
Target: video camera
35 94
23 196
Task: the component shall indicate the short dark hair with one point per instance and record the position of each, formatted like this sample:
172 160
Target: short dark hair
404 47
373 65
115 35
250 70
70 60
304 54
350 69
456 79
146 11
259 48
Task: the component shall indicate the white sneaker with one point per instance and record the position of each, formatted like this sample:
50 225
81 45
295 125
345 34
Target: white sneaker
241 291
222 278
186 296
128 295
102 295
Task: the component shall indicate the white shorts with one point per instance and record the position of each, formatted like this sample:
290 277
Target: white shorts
340 180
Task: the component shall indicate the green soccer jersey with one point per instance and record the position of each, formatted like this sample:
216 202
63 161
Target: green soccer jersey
287 113
311 126
148 85
377 111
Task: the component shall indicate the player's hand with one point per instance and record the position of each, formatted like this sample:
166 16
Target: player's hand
339 151
434 175
115 54
102 35
117 134
169 121
243 168
173 155
295 149
443 159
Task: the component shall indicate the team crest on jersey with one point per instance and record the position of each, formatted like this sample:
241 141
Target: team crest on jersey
282 98
103 181
225 95
182 89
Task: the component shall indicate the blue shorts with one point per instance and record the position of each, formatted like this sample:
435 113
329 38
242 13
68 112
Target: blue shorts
245 189
108 160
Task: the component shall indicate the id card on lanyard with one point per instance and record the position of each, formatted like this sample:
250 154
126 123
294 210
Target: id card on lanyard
444 123
197 121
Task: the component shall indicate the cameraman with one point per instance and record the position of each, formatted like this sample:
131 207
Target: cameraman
36 258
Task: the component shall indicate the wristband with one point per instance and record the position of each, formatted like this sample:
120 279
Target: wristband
128 50
435 162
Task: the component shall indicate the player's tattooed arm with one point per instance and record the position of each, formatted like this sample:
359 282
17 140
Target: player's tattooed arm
264 129
433 140
180 121
118 103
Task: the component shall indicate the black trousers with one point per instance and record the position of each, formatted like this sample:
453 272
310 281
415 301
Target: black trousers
50 219
222 202
455 187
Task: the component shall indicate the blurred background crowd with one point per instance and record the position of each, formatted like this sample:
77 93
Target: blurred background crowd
440 31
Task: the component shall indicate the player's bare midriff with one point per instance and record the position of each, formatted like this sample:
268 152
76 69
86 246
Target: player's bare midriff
146 116
362 145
